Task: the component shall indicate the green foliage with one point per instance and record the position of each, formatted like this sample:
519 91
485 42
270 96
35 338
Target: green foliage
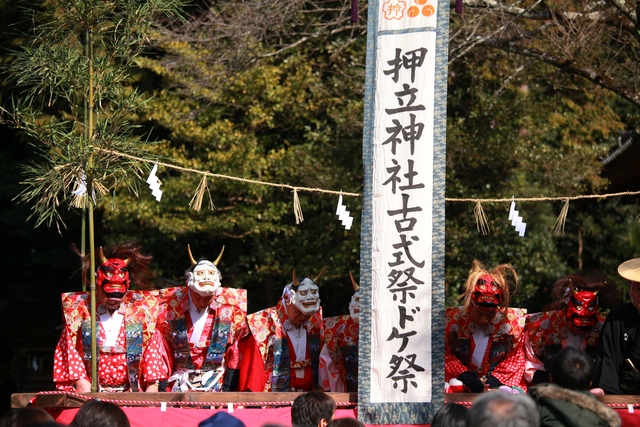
293 120
75 102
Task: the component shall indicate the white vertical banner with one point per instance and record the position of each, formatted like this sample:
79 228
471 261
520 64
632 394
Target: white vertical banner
401 354
402 205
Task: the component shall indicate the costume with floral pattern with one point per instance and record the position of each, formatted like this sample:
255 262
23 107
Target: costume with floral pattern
338 371
269 327
203 366
504 357
126 365
546 334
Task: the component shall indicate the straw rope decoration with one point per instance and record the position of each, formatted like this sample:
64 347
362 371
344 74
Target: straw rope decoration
558 227
196 201
481 219
131 402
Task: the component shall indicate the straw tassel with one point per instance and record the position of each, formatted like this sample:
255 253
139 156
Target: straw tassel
196 201
558 227
481 219
297 209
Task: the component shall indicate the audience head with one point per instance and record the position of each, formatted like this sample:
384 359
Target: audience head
572 368
312 409
23 417
221 419
345 422
97 413
451 415
501 409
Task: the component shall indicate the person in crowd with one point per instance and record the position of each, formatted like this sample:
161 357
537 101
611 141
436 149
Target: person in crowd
98 413
502 409
23 417
125 324
345 422
290 337
484 337
314 408
567 402
338 369
571 320
618 361
221 419
205 334
451 415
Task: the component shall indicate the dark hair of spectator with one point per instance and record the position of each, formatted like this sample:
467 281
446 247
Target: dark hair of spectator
451 415
312 407
345 422
97 413
572 368
23 417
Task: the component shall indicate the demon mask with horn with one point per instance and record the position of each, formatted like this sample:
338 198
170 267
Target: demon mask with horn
304 294
578 296
203 277
354 305
114 274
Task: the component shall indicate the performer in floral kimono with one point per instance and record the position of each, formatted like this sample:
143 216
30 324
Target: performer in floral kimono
484 337
125 325
618 362
203 329
338 370
290 337
572 320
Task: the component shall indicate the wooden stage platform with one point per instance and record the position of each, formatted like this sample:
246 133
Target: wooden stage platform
254 409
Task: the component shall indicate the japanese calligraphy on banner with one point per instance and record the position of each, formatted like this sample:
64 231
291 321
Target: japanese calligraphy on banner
401 378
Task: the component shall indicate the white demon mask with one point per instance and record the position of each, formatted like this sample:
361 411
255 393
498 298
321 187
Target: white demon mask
204 278
306 297
354 307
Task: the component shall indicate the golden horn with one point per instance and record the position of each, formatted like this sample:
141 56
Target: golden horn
353 282
103 258
193 261
320 275
126 261
219 256
295 279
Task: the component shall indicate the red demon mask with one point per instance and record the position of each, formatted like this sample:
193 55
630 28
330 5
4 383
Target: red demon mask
486 293
582 309
113 275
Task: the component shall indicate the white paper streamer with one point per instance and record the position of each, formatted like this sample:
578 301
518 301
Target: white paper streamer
516 220
343 214
154 183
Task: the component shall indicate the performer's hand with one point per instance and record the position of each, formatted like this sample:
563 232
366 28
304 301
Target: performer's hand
493 382
152 387
597 391
472 381
83 385
540 377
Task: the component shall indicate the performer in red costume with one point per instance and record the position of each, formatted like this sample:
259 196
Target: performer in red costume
290 337
338 370
572 320
205 333
126 323
484 337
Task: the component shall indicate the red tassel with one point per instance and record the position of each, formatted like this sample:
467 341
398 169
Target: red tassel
458 6
354 10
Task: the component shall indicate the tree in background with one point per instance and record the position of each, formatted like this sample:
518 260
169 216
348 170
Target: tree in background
268 92
76 105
